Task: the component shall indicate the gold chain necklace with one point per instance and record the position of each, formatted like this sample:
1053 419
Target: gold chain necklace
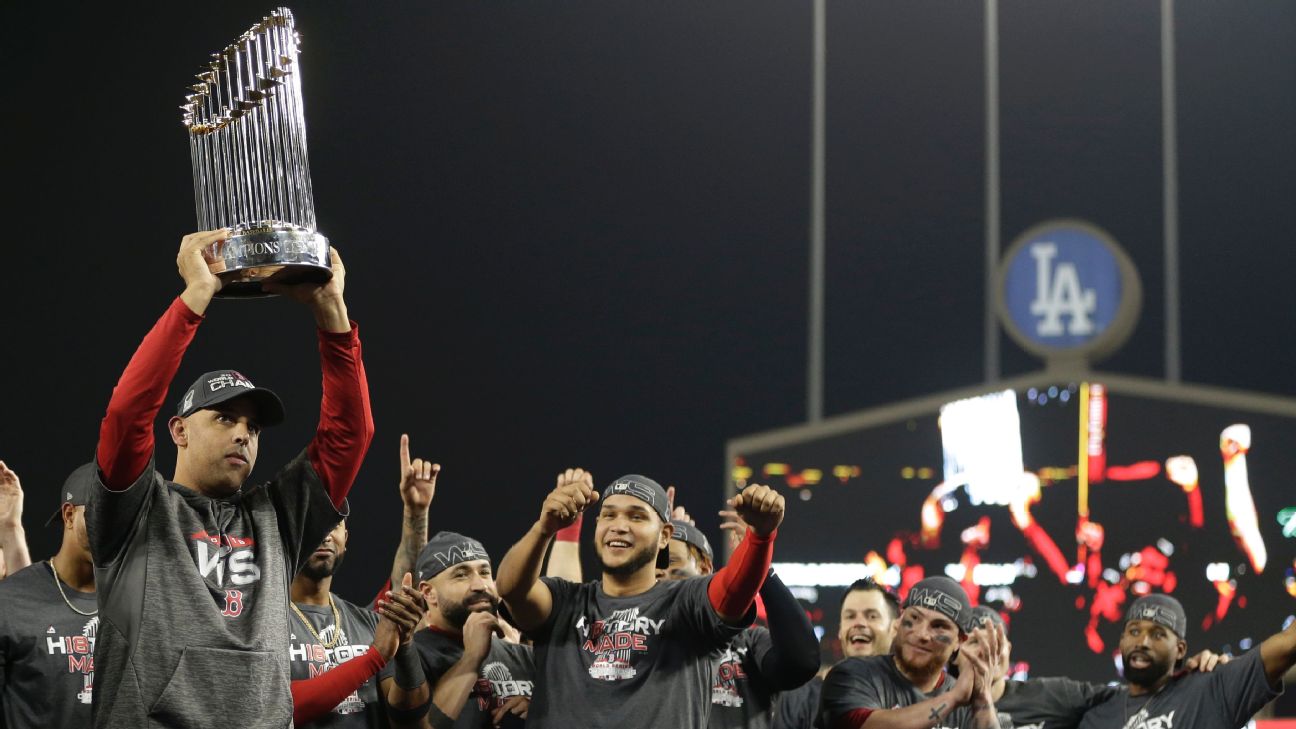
337 624
59 584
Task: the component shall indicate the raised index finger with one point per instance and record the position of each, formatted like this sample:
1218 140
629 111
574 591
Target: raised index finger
404 453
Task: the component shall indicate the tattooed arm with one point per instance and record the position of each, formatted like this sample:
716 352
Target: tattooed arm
417 487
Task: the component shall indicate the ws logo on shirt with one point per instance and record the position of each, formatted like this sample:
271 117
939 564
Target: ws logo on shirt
225 558
616 641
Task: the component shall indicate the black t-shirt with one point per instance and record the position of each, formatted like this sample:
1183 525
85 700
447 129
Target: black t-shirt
508 671
637 661
796 709
874 682
740 697
1050 703
362 709
1225 698
46 651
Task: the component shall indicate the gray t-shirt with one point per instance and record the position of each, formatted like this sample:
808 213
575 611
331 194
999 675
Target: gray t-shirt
508 671
875 683
624 662
350 637
1051 702
1225 698
46 651
740 697
193 598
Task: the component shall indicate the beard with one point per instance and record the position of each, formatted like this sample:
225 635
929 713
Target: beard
457 613
633 564
932 665
1148 675
319 569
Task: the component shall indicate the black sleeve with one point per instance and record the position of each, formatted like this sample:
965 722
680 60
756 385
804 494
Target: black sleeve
303 508
1241 688
852 684
562 593
792 655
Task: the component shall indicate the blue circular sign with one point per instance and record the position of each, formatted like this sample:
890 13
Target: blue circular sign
1066 287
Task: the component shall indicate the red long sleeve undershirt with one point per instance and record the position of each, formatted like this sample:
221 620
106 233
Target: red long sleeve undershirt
853 719
126 433
315 697
733 588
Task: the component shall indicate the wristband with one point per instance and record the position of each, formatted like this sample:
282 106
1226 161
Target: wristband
409 668
570 533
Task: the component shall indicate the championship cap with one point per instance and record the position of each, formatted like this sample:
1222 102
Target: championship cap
945 596
689 534
1162 610
446 550
981 615
643 488
216 387
77 489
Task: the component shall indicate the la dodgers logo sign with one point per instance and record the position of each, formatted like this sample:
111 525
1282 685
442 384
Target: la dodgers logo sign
1066 288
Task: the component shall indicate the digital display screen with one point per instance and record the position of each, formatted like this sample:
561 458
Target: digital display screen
1058 505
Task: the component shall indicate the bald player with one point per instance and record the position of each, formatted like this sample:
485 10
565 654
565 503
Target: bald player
866 627
909 689
628 649
193 571
1159 696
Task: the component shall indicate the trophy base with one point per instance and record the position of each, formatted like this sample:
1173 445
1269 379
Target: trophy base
274 253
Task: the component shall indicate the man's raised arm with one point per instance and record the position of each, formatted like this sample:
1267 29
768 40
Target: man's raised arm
346 422
529 600
1278 653
126 433
733 589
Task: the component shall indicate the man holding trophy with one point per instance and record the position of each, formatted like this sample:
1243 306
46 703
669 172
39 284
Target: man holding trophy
193 572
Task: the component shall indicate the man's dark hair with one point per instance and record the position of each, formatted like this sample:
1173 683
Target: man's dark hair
868 583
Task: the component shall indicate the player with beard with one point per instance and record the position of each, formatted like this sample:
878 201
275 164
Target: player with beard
48 622
477 678
1159 696
750 669
909 689
1054 702
337 647
628 649
193 572
866 627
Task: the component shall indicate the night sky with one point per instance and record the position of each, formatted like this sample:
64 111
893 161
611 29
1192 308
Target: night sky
577 232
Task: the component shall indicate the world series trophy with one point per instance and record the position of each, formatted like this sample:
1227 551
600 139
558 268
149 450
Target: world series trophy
247 141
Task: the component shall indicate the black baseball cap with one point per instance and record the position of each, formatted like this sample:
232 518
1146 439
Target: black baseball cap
1161 609
945 596
77 489
445 550
984 615
643 488
689 534
219 386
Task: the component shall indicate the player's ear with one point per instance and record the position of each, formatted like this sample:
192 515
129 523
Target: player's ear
179 432
1182 651
663 539
429 593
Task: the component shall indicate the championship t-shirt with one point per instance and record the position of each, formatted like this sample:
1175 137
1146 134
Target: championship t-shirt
637 661
193 598
796 709
46 651
874 682
508 671
349 637
740 696
1051 702
1225 698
